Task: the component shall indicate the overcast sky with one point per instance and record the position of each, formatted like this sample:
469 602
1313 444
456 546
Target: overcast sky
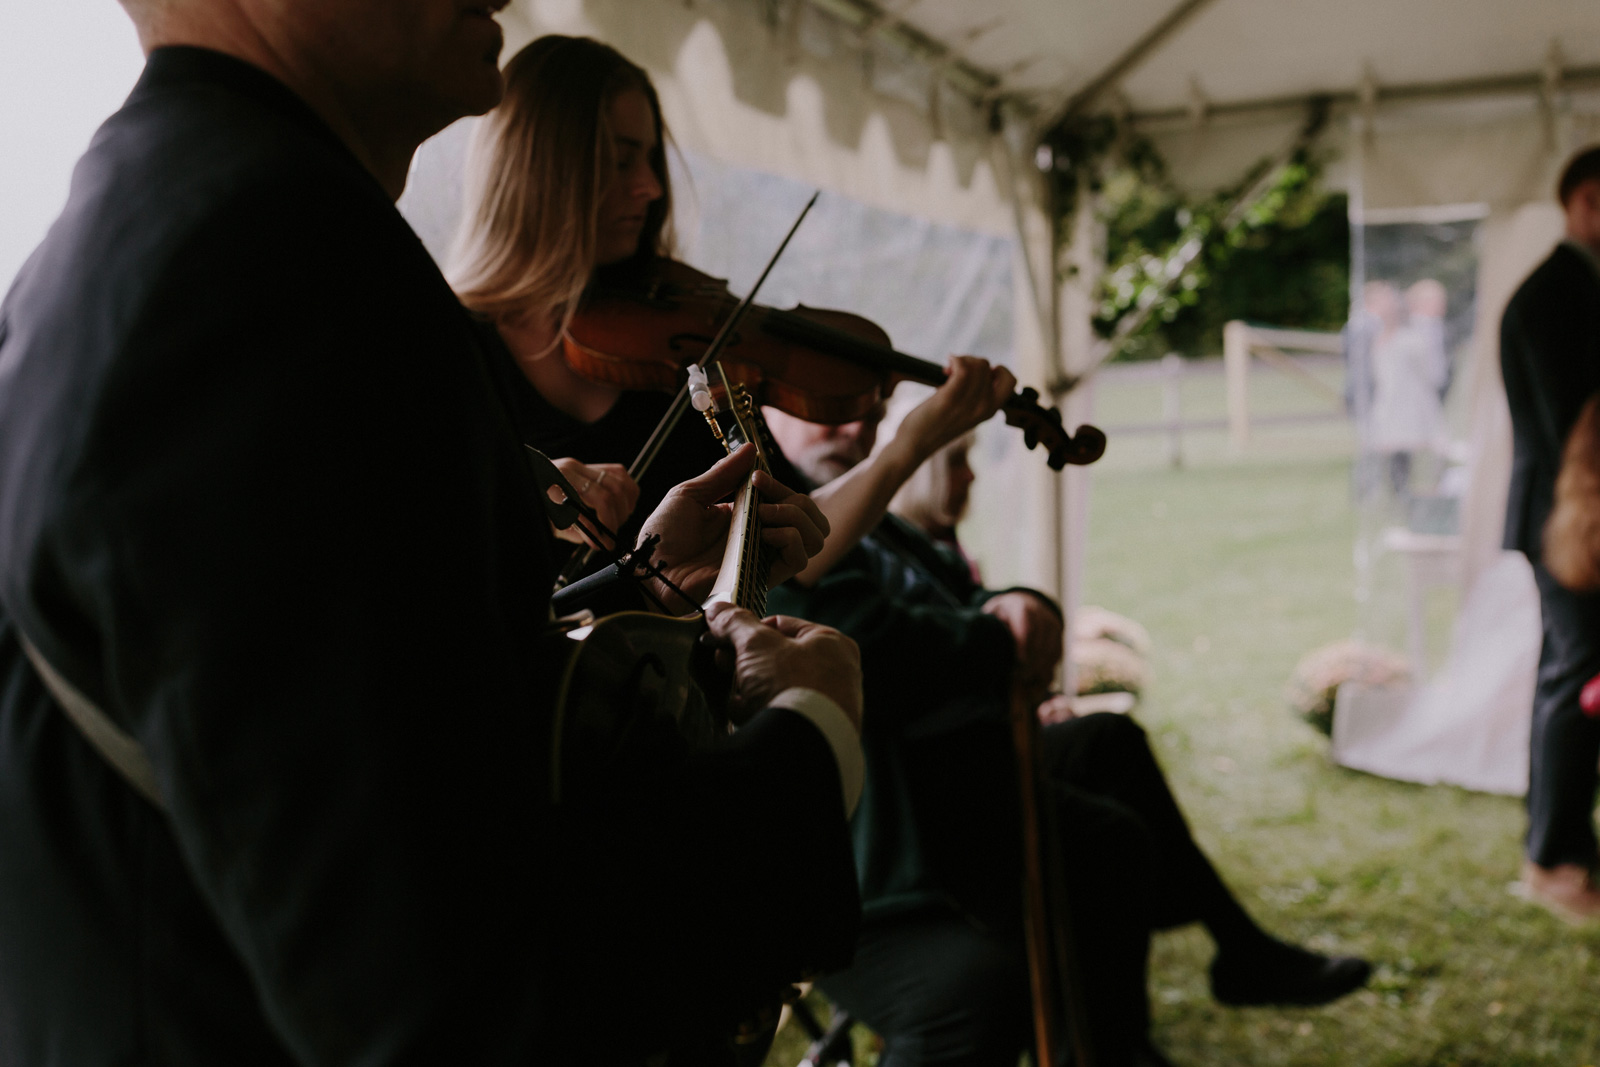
64 66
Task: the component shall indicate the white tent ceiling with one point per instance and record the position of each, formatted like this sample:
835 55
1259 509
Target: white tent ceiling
1247 50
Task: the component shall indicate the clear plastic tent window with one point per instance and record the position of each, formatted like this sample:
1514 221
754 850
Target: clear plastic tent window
1412 342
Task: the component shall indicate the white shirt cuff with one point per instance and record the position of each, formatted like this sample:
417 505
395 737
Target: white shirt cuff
840 734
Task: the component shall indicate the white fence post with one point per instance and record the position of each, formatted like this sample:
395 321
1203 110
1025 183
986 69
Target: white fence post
1236 363
1172 405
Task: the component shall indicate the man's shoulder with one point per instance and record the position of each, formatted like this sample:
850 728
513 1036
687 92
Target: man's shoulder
190 184
177 156
1563 276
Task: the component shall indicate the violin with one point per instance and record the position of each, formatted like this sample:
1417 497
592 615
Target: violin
815 364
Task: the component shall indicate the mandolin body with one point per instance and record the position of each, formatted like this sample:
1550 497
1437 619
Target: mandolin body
633 699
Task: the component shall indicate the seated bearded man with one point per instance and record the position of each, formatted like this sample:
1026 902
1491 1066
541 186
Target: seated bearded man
940 971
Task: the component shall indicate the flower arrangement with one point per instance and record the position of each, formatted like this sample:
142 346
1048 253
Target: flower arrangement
1107 666
1093 624
1109 653
1314 685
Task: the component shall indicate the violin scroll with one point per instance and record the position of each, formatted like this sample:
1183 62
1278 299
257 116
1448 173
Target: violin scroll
1041 425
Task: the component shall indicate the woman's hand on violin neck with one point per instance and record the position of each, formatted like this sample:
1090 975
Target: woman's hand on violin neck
693 525
972 392
780 652
605 487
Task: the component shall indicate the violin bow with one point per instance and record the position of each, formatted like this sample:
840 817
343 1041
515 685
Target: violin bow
680 403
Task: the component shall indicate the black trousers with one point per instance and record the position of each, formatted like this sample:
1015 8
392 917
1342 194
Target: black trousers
1565 745
942 990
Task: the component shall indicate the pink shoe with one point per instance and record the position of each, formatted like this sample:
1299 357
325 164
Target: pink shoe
1589 698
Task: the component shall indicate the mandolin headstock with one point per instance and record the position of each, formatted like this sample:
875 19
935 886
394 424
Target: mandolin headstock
1042 426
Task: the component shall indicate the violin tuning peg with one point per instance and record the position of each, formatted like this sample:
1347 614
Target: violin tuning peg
1029 395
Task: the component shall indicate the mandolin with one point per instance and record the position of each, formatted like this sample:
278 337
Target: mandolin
640 691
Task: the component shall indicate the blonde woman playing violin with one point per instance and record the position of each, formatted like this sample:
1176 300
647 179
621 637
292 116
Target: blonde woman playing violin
569 187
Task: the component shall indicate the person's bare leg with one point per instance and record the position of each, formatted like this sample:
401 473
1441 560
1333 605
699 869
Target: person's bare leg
1566 889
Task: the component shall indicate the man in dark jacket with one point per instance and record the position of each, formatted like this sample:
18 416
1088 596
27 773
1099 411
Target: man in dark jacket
940 971
268 537
1550 359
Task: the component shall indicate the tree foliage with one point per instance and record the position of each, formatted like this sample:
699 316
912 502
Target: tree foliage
1285 261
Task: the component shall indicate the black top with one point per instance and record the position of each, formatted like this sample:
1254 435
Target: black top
1550 359
615 437
261 499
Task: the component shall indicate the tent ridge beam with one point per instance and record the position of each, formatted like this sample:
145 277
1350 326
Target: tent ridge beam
1140 50
1532 84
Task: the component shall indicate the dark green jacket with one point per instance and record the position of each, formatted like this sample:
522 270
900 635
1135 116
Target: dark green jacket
937 822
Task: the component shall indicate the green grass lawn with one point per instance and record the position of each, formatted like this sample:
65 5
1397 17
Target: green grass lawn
1237 569
1238 565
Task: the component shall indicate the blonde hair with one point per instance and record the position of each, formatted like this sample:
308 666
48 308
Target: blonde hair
538 171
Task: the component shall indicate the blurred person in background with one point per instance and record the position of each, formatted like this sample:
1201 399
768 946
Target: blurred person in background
1550 360
1406 417
1426 304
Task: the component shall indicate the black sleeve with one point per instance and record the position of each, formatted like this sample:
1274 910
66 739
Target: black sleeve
310 552
714 920
1557 336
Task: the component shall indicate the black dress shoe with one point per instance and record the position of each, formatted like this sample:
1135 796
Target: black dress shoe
1285 975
